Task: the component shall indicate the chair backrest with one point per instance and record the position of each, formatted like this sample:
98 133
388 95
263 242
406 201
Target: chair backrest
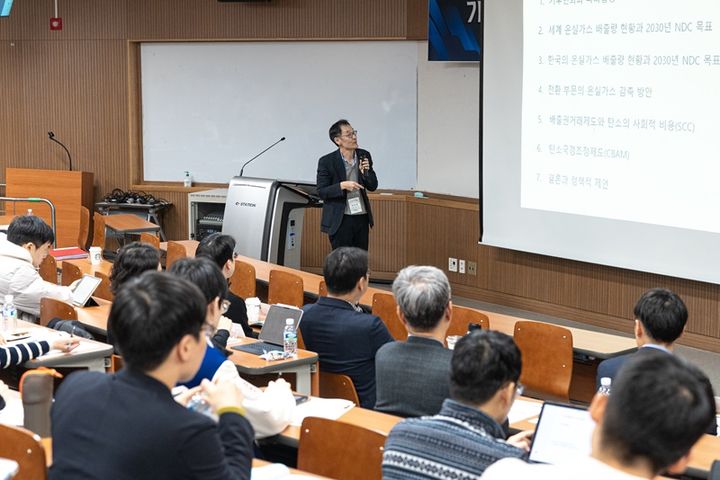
175 251
36 391
285 287
547 359
98 231
340 450
151 238
242 282
116 363
84 229
463 316
322 289
337 385
51 308
103 290
384 306
70 273
24 447
48 270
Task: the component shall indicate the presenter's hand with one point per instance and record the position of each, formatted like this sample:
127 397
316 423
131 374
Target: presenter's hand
364 165
223 394
350 186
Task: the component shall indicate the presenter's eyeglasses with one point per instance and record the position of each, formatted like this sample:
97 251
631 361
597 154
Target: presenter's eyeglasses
350 134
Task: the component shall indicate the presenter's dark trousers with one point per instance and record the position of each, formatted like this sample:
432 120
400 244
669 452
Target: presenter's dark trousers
353 232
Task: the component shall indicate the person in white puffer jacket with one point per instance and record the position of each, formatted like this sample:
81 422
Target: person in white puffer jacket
26 245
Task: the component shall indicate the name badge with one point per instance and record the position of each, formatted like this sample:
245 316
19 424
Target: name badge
355 205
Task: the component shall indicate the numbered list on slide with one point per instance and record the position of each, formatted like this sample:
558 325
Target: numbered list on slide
621 110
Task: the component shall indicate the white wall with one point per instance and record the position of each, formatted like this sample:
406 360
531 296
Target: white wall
448 123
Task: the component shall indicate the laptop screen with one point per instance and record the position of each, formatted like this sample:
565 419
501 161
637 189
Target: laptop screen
272 330
563 432
84 289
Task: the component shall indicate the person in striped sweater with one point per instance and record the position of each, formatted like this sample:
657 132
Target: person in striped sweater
466 436
19 353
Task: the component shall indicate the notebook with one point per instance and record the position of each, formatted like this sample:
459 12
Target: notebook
563 432
271 335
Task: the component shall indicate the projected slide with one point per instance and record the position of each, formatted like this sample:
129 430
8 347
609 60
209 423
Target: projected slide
621 110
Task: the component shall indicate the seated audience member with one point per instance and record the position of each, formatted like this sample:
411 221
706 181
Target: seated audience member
659 407
269 412
660 318
132 260
128 425
336 328
466 436
18 353
28 242
422 363
221 250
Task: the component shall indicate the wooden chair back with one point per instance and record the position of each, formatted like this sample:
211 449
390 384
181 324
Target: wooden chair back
340 450
384 306
23 446
463 316
51 308
151 238
48 270
337 385
547 359
285 287
103 290
175 251
116 363
242 282
322 289
70 273
84 229
98 231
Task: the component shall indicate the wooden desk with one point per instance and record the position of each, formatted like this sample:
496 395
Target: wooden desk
94 318
304 366
128 223
190 246
87 268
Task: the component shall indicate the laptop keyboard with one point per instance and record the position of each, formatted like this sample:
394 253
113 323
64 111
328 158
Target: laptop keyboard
257 348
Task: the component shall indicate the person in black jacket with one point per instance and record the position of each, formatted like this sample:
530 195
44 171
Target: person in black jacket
343 179
128 425
221 249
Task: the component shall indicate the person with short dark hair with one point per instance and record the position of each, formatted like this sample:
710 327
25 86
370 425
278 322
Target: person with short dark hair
660 318
345 338
131 261
26 245
221 250
128 425
422 363
659 407
466 436
343 179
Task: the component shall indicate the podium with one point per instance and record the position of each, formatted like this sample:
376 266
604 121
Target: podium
265 217
66 190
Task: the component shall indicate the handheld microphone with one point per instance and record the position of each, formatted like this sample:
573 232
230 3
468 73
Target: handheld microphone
242 169
364 171
51 136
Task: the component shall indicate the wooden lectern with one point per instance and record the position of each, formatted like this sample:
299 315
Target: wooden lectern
67 190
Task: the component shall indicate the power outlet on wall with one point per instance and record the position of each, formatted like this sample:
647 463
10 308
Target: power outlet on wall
472 268
461 266
452 264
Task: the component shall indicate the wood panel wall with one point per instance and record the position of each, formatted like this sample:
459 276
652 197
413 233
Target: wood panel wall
82 84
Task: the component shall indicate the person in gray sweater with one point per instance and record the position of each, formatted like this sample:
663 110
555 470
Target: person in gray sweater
413 377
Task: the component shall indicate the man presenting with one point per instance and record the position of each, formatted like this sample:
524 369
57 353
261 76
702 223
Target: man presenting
343 179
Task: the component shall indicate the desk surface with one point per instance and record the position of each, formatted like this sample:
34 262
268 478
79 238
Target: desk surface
252 364
594 344
127 222
87 268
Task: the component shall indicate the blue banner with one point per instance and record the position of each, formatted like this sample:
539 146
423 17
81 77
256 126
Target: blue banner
455 30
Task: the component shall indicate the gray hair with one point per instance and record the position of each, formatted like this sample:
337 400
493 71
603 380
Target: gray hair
423 294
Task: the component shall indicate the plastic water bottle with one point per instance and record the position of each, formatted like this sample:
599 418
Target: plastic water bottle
187 181
290 338
9 314
605 383
198 404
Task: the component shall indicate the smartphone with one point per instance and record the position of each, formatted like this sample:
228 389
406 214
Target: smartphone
300 399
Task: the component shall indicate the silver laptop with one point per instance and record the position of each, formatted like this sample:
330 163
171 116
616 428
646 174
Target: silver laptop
563 432
271 335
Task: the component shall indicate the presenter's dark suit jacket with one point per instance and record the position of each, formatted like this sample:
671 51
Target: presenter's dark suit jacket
128 426
346 342
612 366
330 172
412 377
